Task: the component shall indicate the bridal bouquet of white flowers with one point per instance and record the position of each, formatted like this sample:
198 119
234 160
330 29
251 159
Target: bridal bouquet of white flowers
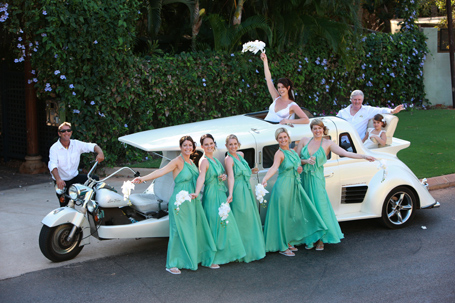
181 197
260 193
127 187
382 164
223 212
254 47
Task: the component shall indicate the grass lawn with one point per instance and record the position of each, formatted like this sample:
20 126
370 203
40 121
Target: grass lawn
151 163
432 137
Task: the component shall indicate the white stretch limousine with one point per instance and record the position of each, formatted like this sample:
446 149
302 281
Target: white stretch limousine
357 188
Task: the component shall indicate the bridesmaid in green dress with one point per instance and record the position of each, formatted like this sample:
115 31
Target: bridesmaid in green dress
291 217
190 239
244 206
313 154
225 234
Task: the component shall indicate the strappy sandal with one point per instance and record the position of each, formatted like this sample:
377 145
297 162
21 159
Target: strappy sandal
174 270
292 248
320 246
287 253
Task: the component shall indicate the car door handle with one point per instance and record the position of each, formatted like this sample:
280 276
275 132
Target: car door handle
329 175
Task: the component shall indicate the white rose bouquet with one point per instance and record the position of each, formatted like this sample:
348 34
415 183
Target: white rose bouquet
223 212
260 193
181 197
254 47
127 187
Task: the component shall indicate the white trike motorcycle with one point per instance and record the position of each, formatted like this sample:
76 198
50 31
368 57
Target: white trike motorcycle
96 209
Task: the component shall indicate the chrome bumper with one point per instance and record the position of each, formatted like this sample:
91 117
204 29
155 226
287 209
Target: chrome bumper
435 205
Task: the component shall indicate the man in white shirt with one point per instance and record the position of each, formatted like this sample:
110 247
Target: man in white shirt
358 114
64 158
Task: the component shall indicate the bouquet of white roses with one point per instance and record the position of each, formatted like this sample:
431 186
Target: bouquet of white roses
127 187
181 197
254 47
223 212
383 165
260 193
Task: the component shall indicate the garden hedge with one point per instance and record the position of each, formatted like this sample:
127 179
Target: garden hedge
82 55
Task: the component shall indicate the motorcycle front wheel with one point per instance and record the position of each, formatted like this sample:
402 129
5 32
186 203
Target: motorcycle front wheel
54 245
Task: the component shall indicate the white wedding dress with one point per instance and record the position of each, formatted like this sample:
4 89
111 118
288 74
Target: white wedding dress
273 116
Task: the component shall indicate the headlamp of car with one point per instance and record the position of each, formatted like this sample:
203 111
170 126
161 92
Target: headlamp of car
79 191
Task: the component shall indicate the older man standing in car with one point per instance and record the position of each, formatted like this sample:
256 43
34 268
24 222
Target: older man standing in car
64 158
358 114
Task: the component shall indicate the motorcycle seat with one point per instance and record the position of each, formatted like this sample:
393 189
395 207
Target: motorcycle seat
148 203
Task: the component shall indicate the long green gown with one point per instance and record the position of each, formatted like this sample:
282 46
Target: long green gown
313 182
246 212
190 239
226 236
291 216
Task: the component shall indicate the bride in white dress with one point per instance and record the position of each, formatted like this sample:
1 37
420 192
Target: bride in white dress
283 109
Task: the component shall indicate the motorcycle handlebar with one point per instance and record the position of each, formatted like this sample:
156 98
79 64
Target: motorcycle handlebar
136 173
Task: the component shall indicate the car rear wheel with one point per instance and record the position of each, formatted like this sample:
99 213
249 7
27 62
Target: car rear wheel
398 208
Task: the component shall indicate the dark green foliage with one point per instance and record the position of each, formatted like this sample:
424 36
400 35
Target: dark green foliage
107 92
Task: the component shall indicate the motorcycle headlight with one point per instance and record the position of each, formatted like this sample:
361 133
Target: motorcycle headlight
78 191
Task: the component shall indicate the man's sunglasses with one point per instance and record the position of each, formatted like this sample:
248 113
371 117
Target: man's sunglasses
65 130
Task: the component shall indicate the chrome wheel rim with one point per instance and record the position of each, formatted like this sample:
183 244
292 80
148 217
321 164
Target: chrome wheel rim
399 208
59 243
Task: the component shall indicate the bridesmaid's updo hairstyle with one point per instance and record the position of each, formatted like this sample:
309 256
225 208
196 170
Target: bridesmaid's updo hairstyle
289 85
231 136
205 137
281 130
319 122
380 118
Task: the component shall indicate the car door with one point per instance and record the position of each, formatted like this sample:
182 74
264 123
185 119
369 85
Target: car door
354 177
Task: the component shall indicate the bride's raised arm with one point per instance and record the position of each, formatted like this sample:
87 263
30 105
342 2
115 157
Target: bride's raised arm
268 77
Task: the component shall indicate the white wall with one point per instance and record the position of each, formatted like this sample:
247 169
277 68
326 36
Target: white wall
436 71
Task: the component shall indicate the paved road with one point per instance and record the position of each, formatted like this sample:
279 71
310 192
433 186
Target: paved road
372 264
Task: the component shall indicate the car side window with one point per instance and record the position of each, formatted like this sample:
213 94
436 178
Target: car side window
346 143
248 155
268 153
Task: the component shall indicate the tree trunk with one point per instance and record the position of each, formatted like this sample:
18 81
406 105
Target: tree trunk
238 13
197 21
32 164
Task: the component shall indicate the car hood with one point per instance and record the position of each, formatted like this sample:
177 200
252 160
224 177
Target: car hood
167 138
